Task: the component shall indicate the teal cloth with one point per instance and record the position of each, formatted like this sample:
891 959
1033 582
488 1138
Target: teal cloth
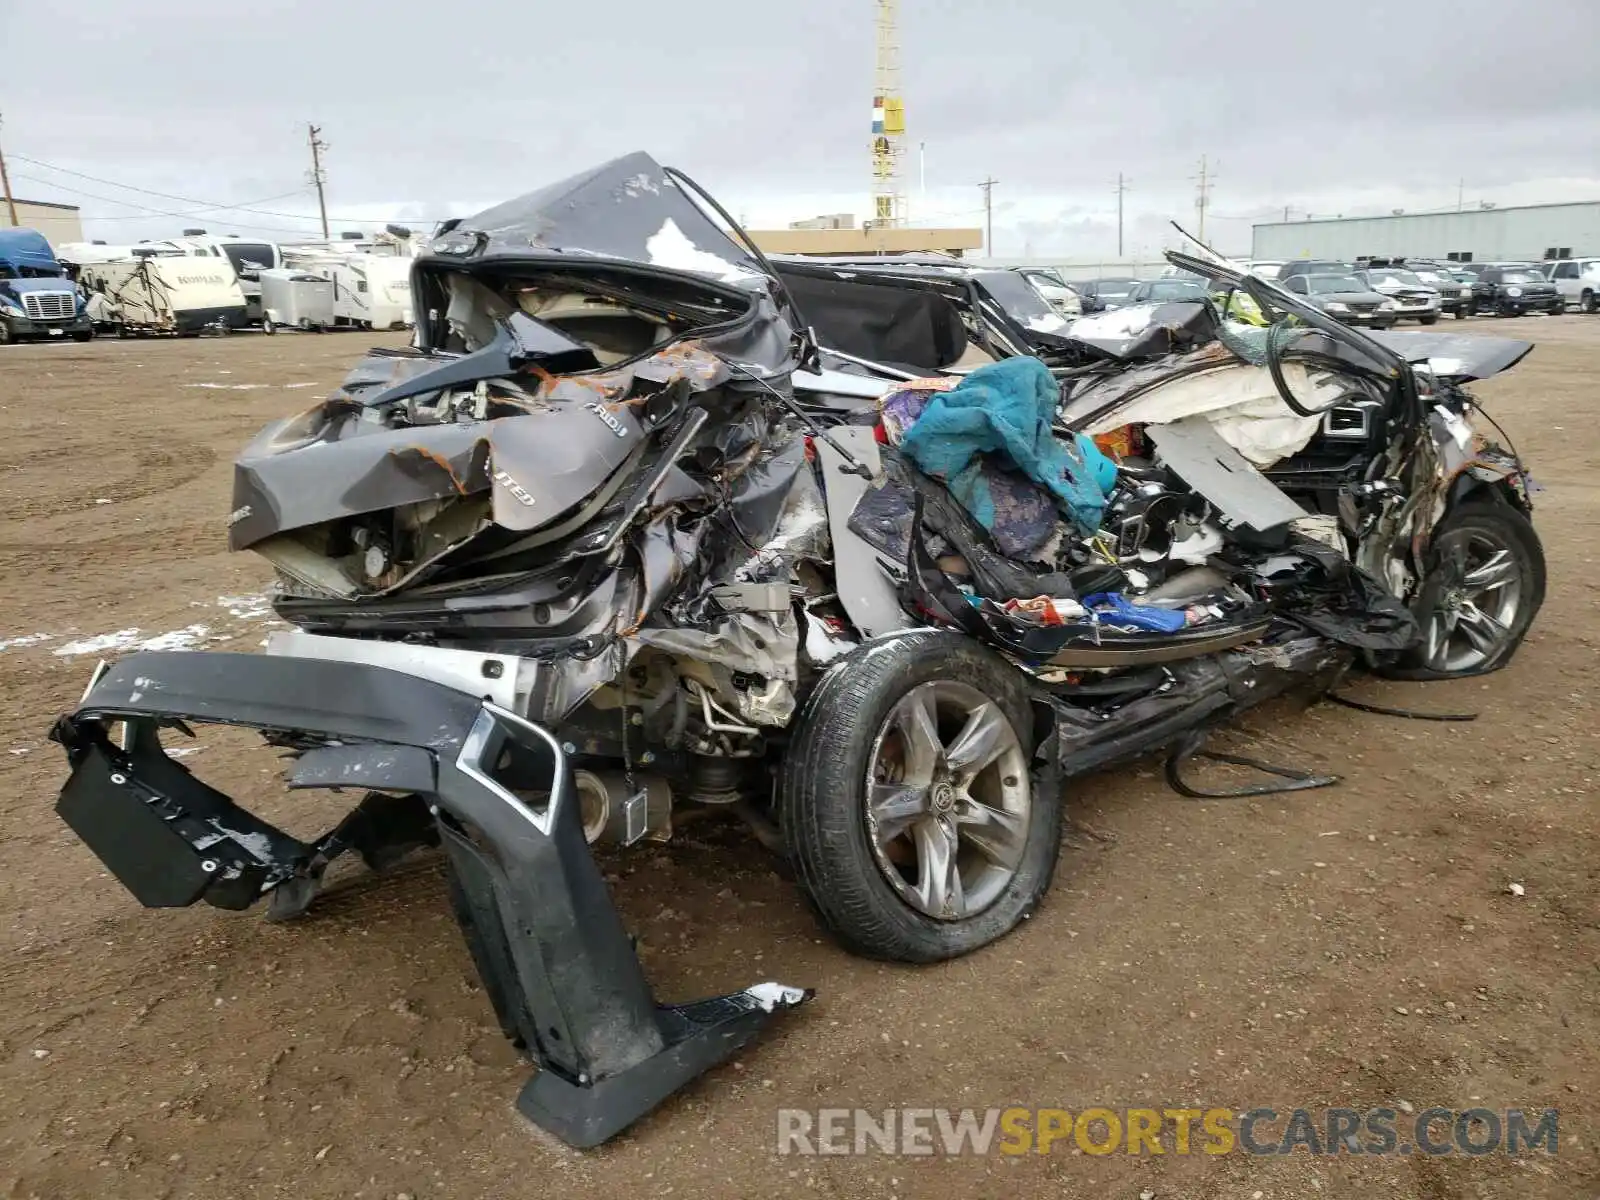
1006 409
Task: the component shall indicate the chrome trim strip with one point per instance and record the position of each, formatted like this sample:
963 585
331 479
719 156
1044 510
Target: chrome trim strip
492 719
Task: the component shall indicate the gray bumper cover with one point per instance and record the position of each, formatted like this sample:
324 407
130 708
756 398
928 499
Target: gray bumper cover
544 934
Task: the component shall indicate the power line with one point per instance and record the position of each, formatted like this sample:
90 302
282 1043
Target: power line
149 212
185 199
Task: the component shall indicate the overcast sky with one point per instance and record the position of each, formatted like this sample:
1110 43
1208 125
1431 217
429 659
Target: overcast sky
439 109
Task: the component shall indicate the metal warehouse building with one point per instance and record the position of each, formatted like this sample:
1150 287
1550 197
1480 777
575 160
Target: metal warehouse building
1530 232
58 222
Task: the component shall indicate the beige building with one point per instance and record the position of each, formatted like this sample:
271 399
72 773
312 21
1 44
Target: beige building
58 222
837 234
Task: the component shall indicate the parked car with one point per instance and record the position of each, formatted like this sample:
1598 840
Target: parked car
1455 289
1345 298
1577 280
1267 268
1314 266
1058 293
1414 299
1175 287
1236 304
1099 295
1511 291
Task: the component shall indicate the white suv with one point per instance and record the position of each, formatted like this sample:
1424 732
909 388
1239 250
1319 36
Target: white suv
1578 281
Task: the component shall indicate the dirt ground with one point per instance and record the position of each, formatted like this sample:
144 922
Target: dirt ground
1355 947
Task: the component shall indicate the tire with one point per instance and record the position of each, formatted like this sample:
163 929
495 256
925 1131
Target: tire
1433 320
1559 309
846 730
6 337
267 327
1482 529
1461 314
83 335
1590 302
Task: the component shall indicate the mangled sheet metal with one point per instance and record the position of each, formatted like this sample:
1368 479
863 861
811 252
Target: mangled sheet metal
629 209
586 556
635 216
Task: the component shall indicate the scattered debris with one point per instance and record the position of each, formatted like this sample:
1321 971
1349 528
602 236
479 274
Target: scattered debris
1516 889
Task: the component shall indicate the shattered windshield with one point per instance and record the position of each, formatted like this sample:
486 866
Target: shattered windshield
1326 284
1022 301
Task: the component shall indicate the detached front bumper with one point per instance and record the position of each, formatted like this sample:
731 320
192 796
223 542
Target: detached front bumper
551 947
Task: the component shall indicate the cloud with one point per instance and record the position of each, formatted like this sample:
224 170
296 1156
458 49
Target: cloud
434 110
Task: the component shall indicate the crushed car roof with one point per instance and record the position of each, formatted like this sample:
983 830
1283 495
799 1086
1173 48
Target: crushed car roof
630 209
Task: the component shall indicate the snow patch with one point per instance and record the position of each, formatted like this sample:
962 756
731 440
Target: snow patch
637 185
179 639
669 247
248 608
125 639
27 639
229 387
99 644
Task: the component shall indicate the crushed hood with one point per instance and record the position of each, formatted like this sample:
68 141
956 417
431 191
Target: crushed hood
629 209
1462 356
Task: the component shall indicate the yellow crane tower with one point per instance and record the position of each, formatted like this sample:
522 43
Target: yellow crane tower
888 123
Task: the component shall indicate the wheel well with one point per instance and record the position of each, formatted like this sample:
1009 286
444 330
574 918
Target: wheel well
1468 488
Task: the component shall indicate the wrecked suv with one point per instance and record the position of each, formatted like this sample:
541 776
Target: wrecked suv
624 538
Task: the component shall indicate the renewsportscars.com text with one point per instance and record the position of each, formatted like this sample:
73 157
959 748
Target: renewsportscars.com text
922 1132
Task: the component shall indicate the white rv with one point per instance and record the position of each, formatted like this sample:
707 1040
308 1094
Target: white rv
163 293
370 290
373 291
248 257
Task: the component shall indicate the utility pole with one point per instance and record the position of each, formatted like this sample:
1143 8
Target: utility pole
5 180
317 174
1461 191
988 216
1203 197
1121 187
1285 214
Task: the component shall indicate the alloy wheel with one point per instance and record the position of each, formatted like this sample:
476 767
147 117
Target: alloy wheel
948 800
1480 594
